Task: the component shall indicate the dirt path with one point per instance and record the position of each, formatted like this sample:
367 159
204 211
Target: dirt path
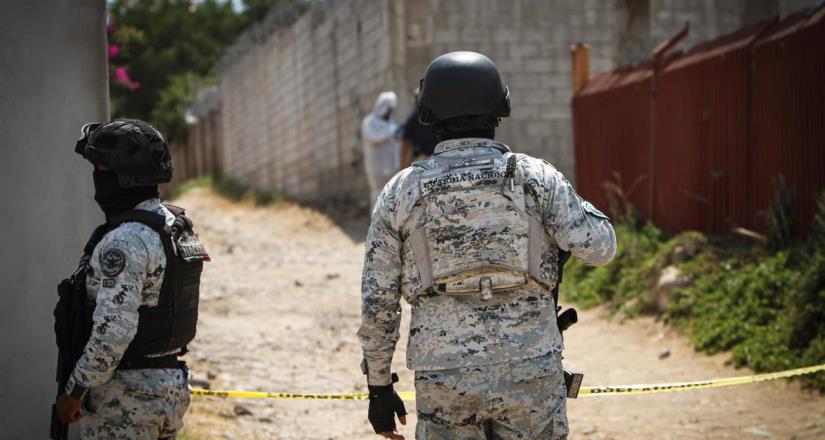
280 308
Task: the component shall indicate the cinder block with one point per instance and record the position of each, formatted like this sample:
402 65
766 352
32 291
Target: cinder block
505 35
446 36
538 129
525 50
472 34
535 35
538 65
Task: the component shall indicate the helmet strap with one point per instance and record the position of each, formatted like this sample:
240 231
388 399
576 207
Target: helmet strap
466 126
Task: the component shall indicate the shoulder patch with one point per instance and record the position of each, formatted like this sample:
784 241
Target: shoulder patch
591 210
112 262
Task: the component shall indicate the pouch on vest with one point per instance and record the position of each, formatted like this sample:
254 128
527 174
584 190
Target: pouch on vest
477 237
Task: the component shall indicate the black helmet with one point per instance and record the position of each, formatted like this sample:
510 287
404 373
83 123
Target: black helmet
462 84
130 148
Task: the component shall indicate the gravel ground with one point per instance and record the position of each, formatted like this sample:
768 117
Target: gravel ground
279 312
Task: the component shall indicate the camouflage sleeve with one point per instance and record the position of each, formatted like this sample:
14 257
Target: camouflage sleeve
121 264
380 291
575 224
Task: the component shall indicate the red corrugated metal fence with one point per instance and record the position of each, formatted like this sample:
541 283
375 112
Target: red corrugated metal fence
726 118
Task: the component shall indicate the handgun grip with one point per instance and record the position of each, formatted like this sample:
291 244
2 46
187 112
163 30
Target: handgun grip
567 318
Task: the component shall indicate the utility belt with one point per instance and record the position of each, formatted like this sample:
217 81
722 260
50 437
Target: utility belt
142 363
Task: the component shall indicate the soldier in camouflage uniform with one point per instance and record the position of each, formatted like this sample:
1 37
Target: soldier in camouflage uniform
471 239
128 383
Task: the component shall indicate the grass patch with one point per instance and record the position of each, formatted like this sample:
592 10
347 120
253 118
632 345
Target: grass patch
199 182
230 189
236 191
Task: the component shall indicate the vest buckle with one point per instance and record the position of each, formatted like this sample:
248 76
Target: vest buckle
486 287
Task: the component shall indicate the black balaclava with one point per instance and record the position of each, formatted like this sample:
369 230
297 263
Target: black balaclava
114 199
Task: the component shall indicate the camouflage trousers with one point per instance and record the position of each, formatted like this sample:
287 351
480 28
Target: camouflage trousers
137 404
516 400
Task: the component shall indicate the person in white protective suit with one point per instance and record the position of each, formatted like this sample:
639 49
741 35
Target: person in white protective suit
381 144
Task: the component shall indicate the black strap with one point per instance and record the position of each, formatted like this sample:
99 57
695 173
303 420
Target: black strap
169 361
95 238
155 221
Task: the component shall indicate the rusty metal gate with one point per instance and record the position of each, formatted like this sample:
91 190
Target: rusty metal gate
708 130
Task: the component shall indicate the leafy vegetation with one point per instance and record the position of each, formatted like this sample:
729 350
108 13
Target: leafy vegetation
765 303
161 51
782 215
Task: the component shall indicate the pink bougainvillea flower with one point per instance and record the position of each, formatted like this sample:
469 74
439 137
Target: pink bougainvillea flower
113 50
122 77
110 26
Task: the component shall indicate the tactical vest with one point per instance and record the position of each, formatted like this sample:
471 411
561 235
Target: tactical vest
170 325
477 237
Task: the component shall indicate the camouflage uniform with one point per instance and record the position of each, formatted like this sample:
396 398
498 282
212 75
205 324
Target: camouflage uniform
505 400
494 351
125 272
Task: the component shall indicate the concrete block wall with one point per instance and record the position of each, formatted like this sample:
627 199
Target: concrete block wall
707 19
529 41
292 106
710 18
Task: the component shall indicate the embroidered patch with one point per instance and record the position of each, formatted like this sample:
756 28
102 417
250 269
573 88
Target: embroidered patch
590 209
108 282
112 262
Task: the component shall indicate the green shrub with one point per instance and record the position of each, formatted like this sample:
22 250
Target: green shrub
781 215
765 306
817 237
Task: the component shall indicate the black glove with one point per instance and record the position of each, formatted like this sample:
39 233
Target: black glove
385 403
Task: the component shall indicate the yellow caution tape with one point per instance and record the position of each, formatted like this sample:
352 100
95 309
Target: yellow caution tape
406 395
584 391
685 386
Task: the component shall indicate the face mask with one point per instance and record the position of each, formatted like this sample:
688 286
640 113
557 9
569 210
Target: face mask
114 199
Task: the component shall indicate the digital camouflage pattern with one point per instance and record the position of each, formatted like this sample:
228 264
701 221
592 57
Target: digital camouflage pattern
512 400
124 272
456 331
137 405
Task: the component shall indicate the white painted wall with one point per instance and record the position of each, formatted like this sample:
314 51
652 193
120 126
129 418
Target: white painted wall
53 78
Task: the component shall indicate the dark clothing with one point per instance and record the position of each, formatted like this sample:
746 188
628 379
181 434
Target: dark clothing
113 198
422 137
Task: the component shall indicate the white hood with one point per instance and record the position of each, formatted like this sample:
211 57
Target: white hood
374 128
385 101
